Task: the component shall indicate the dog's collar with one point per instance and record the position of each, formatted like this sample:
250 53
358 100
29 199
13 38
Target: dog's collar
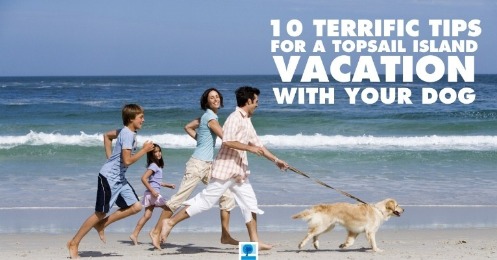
374 207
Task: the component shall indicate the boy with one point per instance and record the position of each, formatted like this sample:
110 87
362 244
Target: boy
113 188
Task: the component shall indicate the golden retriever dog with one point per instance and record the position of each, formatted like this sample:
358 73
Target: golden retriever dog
355 218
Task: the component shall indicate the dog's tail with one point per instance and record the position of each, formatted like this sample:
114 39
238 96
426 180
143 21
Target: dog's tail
306 214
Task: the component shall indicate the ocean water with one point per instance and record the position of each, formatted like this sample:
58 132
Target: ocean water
437 155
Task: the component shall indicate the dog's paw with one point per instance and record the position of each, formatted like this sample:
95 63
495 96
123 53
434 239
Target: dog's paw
342 246
316 244
377 250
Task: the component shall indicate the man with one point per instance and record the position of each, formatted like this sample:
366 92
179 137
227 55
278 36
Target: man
230 168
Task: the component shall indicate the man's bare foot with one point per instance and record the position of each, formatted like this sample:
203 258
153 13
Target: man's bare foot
100 227
134 239
166 229
73 250
263 246
228 240
155 239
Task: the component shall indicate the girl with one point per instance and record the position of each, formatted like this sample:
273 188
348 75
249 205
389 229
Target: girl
152 179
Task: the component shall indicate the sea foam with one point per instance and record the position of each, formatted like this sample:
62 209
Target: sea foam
298 141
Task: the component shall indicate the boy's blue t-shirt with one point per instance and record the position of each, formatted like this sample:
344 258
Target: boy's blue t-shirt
206 139
156 178
114 169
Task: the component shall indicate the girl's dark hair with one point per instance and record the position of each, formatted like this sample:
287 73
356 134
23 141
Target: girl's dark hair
151 158
243 94
205 97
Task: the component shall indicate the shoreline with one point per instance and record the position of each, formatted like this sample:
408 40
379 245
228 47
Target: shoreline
471 243
275 219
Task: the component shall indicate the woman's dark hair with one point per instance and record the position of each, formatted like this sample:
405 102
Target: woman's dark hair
205 97
151 158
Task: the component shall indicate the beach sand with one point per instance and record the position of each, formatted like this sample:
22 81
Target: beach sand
397 244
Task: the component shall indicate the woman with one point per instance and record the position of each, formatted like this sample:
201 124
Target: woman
205 131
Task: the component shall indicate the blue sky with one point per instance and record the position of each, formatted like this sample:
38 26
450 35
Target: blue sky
157 37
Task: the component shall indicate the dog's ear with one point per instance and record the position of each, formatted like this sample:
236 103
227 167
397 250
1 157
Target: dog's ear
391 205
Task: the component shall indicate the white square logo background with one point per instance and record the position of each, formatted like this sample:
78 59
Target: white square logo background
248 251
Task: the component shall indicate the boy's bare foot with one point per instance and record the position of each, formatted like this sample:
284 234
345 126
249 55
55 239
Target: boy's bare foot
228 240
73 250
263 246
155 239
166 229
100 227
134 239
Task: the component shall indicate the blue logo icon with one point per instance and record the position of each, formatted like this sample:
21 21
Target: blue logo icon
248 251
